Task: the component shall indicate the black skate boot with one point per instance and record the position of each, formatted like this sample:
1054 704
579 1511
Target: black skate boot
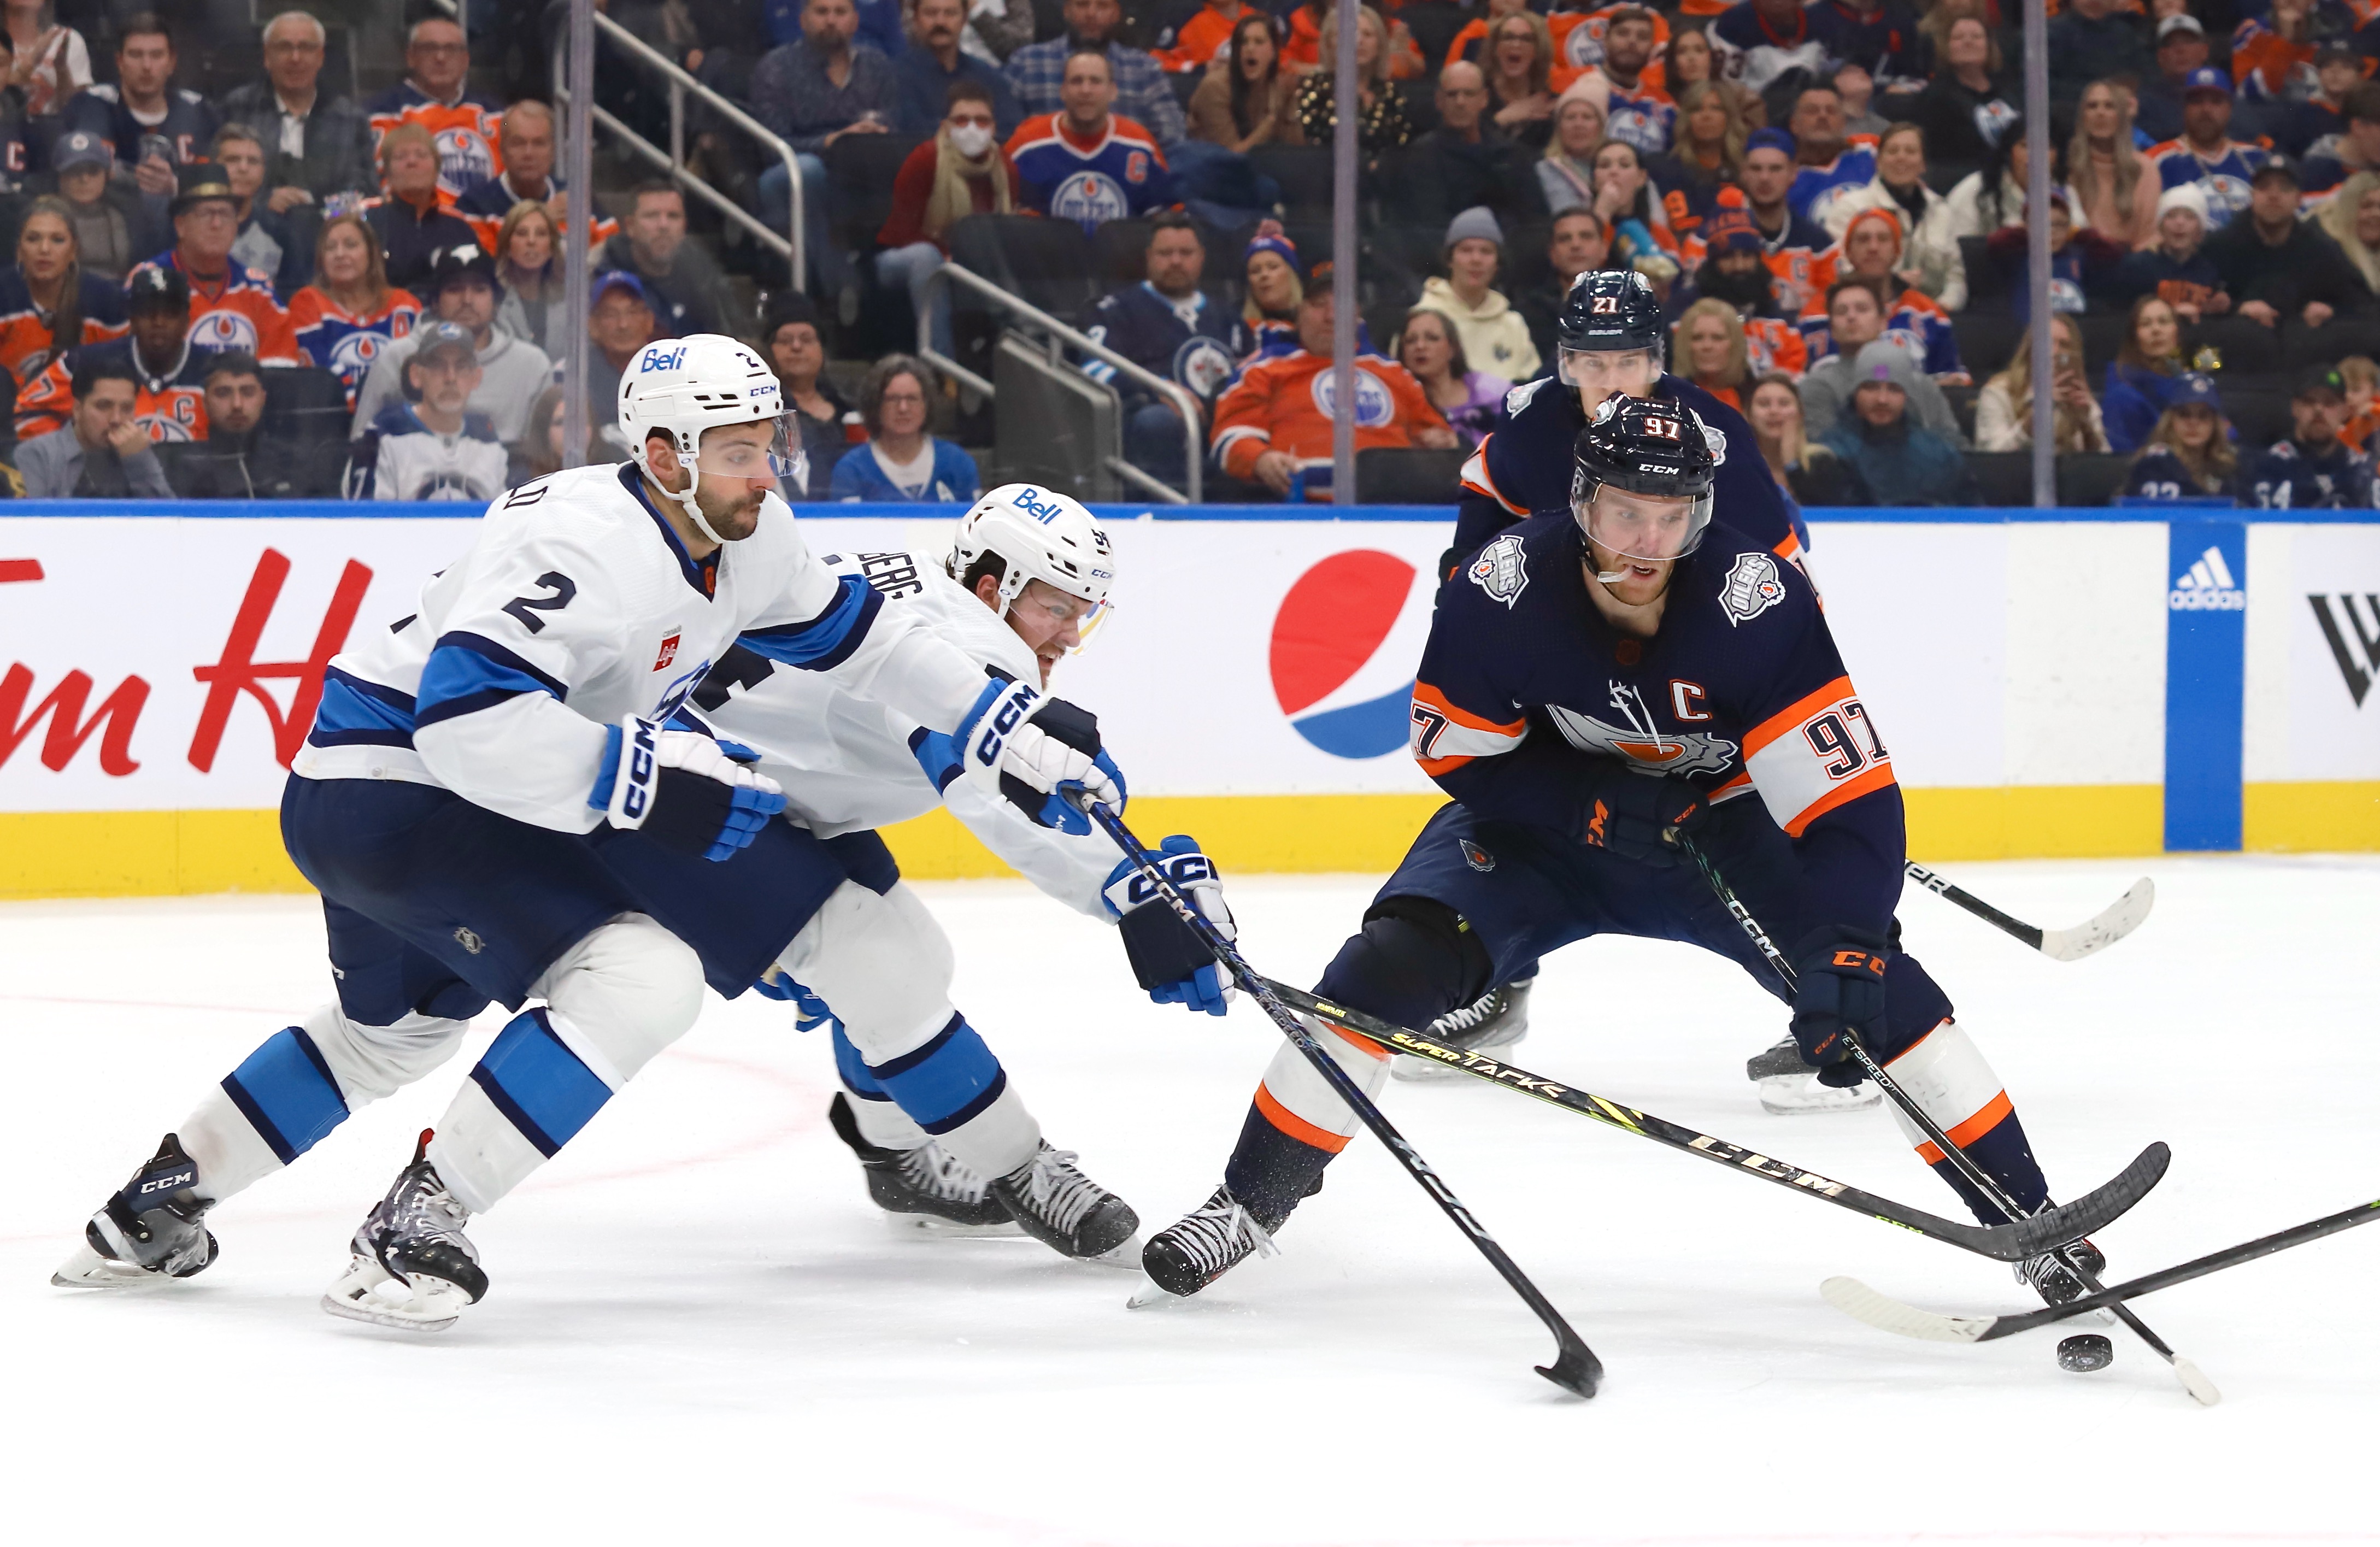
1490 1024
2051 1275
924 1189
1201 1247
1790 1088
150 1232
413 1267
1066 1211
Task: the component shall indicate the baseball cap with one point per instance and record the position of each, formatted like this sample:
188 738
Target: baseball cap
618 279
2183 23
2278 166
1768 140
2320 379
440 333
464 259
2336 53
2196 388
156 286
2206 78
81 148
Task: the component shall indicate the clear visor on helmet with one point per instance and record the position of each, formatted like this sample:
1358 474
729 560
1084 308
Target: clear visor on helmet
739 456
1599 373
1040 605
1646 529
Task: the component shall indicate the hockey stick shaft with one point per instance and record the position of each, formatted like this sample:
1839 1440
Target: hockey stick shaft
2030 934
2007 1243
1575 1369
1964 1164
2113 1296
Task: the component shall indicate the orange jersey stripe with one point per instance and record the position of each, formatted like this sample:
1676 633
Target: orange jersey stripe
1967 1132
1876 779
1789 718
1296 1127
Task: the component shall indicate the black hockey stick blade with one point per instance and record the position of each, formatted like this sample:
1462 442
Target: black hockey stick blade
1856 1300
1575 1369
2096 933
2007 1243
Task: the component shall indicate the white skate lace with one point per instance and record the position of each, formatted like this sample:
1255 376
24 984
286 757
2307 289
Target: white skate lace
1056 1191
1471 1015
932 1170
1221 1232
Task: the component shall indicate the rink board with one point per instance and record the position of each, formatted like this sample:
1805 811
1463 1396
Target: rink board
2050 684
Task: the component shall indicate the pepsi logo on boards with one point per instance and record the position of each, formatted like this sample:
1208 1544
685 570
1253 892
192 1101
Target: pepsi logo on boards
1327 667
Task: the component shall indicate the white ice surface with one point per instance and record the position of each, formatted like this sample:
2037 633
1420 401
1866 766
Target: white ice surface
698 1326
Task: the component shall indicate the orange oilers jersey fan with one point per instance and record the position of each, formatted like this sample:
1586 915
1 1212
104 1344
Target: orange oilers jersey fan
171 404
236 310
27 341
1286 404
465 130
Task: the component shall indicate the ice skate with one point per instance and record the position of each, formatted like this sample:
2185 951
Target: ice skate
1790 1088
413 1267
150 1233
925 1189
1490 1024
1194 1252
2052 1276
1064 1209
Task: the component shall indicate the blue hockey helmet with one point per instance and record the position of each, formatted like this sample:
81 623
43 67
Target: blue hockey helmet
1654 448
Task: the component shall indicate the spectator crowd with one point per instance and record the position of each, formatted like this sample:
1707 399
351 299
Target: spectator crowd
252 280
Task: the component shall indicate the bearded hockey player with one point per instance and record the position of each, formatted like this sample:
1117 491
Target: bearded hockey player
945 1140
450 798
1599 683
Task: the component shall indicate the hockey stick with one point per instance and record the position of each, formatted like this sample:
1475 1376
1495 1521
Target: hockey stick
2096 933
1575 1369
1855 1298
2007 1243
2192 1380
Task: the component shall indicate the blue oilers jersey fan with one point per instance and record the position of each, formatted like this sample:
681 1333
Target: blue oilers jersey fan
1611 337
1612 692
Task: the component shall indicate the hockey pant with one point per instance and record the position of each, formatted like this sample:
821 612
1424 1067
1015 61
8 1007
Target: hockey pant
1443 929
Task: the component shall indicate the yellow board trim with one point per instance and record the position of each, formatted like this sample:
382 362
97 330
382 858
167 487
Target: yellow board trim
157 853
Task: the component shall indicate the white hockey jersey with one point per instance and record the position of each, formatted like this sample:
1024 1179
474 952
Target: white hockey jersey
848 763
577 606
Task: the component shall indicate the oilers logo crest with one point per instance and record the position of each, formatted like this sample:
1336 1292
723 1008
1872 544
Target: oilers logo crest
464 156
1501 570
1686 753
224 330
1374 408
1752 588
352 356
1092 198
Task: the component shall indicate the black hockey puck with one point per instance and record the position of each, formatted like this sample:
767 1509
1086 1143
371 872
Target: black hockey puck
2085 1352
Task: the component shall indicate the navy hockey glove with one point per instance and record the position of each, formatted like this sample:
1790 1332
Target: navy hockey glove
1036 751
683 791
1841 989
1167 956
1639 816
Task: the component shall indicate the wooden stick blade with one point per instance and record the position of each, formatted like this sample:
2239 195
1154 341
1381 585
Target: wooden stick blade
2118 919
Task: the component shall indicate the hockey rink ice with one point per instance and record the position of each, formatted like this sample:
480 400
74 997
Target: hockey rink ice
700 1331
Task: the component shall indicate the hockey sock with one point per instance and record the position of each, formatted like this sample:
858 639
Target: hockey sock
952 1086
880 1120
1951 1084
528 1095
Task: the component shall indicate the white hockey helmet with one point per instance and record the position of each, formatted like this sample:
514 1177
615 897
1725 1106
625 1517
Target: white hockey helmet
1038 534
684 386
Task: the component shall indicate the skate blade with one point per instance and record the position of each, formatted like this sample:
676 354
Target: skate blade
933 1225
367 1293
1124 1254
88 1270
1150 1293
1800 1095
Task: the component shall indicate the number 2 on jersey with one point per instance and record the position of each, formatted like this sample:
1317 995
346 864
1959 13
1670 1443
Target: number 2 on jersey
559 588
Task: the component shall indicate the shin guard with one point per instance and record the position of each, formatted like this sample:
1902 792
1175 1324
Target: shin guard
1946 1075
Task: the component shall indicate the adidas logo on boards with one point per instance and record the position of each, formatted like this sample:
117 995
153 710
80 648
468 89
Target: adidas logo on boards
2207 587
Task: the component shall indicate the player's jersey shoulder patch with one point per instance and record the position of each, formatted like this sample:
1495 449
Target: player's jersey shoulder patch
1752 588
1501 570
1518 397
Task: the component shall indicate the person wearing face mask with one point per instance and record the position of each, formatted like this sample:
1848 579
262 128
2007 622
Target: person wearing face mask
961 171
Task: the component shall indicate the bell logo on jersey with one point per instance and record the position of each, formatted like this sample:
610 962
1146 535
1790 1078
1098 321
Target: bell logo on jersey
1752 588
2207 587
1345 644
1690 751
1501 570
1029 501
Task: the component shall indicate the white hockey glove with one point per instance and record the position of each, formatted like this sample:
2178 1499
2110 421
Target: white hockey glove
1035 751
1167 956
684 790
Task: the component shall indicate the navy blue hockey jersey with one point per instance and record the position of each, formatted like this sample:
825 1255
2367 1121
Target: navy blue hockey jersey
2291 477
1741 693
1525 467
189 127
1188 341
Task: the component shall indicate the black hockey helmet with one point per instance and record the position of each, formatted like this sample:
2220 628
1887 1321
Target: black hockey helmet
1609 308
1647 446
